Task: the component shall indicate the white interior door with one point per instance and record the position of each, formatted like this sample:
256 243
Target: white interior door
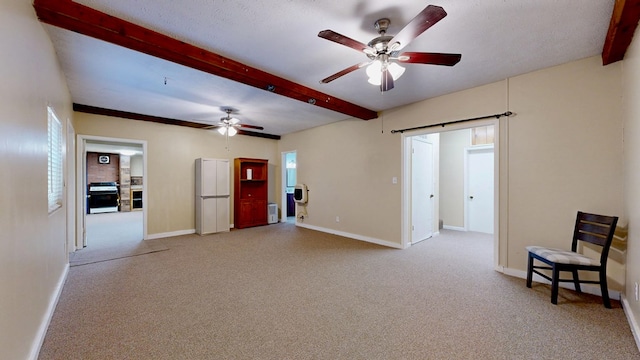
422 190
479 185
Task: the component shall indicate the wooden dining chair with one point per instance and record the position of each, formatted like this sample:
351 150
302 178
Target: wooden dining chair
591 228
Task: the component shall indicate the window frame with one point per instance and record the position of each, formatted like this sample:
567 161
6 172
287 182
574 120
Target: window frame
55 161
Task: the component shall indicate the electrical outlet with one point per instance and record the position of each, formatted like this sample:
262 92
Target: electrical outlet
636 290
337 218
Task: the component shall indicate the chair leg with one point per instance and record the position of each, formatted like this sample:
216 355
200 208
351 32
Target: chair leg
576 280
604 289
529 271
554 285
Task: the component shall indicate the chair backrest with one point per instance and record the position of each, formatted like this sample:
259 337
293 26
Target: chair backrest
595 229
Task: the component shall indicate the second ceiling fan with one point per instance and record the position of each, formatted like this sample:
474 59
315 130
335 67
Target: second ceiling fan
229 126
384 51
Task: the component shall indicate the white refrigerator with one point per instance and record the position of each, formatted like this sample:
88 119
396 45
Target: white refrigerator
212 195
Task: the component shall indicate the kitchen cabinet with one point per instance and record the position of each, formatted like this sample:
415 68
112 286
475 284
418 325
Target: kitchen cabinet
250 192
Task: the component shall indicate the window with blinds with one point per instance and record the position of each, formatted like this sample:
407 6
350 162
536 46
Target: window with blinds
55 165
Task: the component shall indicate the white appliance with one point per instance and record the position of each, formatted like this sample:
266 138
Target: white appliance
300 193
103 197
273 213
212 195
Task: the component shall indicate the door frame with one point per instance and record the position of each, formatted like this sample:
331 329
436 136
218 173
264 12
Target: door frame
405 212
467 152
81 183
71 188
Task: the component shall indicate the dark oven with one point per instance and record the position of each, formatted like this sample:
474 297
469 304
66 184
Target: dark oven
103 197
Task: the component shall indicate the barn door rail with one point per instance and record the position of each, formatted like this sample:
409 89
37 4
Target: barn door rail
497 116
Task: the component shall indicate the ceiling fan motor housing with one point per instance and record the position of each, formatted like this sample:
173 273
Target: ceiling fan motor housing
382 25
380 44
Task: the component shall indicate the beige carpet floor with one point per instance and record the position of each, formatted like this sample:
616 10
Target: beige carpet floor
283 292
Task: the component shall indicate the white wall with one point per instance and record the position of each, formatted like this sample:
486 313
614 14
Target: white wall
137 165
348 167
568 118
565 153
631 114
33 260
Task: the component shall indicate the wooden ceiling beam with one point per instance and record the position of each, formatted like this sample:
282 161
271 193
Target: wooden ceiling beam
84 20
623 24
157 119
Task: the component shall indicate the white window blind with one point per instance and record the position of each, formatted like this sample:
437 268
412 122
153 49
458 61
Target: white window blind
55 165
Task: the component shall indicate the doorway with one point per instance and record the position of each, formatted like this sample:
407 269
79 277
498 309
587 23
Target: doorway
289 178
133 189
448 174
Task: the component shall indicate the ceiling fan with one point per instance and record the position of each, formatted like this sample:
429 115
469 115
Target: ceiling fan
229 126
384 51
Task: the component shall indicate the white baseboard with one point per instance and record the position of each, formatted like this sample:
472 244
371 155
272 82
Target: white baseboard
44 325
350 235
170 234
635 329
589 289
456 228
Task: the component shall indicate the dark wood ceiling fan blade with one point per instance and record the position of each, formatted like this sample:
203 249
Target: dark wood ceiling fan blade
429 58
386 82
344 72
251 126
424 20
343 40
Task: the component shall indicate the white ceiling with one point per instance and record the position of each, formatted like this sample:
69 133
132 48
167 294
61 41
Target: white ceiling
497 39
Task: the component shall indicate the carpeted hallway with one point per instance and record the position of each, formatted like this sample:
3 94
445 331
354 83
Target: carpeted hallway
283 292
113 236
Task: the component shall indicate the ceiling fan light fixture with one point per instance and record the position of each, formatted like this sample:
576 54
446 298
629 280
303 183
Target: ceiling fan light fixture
395 70
222 130
232 131
375 80
374 71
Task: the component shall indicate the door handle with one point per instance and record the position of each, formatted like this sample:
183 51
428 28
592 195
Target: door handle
471 197
431 197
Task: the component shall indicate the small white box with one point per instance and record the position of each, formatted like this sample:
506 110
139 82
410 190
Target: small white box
249 174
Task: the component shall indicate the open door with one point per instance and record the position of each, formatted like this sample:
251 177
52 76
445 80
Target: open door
422 189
